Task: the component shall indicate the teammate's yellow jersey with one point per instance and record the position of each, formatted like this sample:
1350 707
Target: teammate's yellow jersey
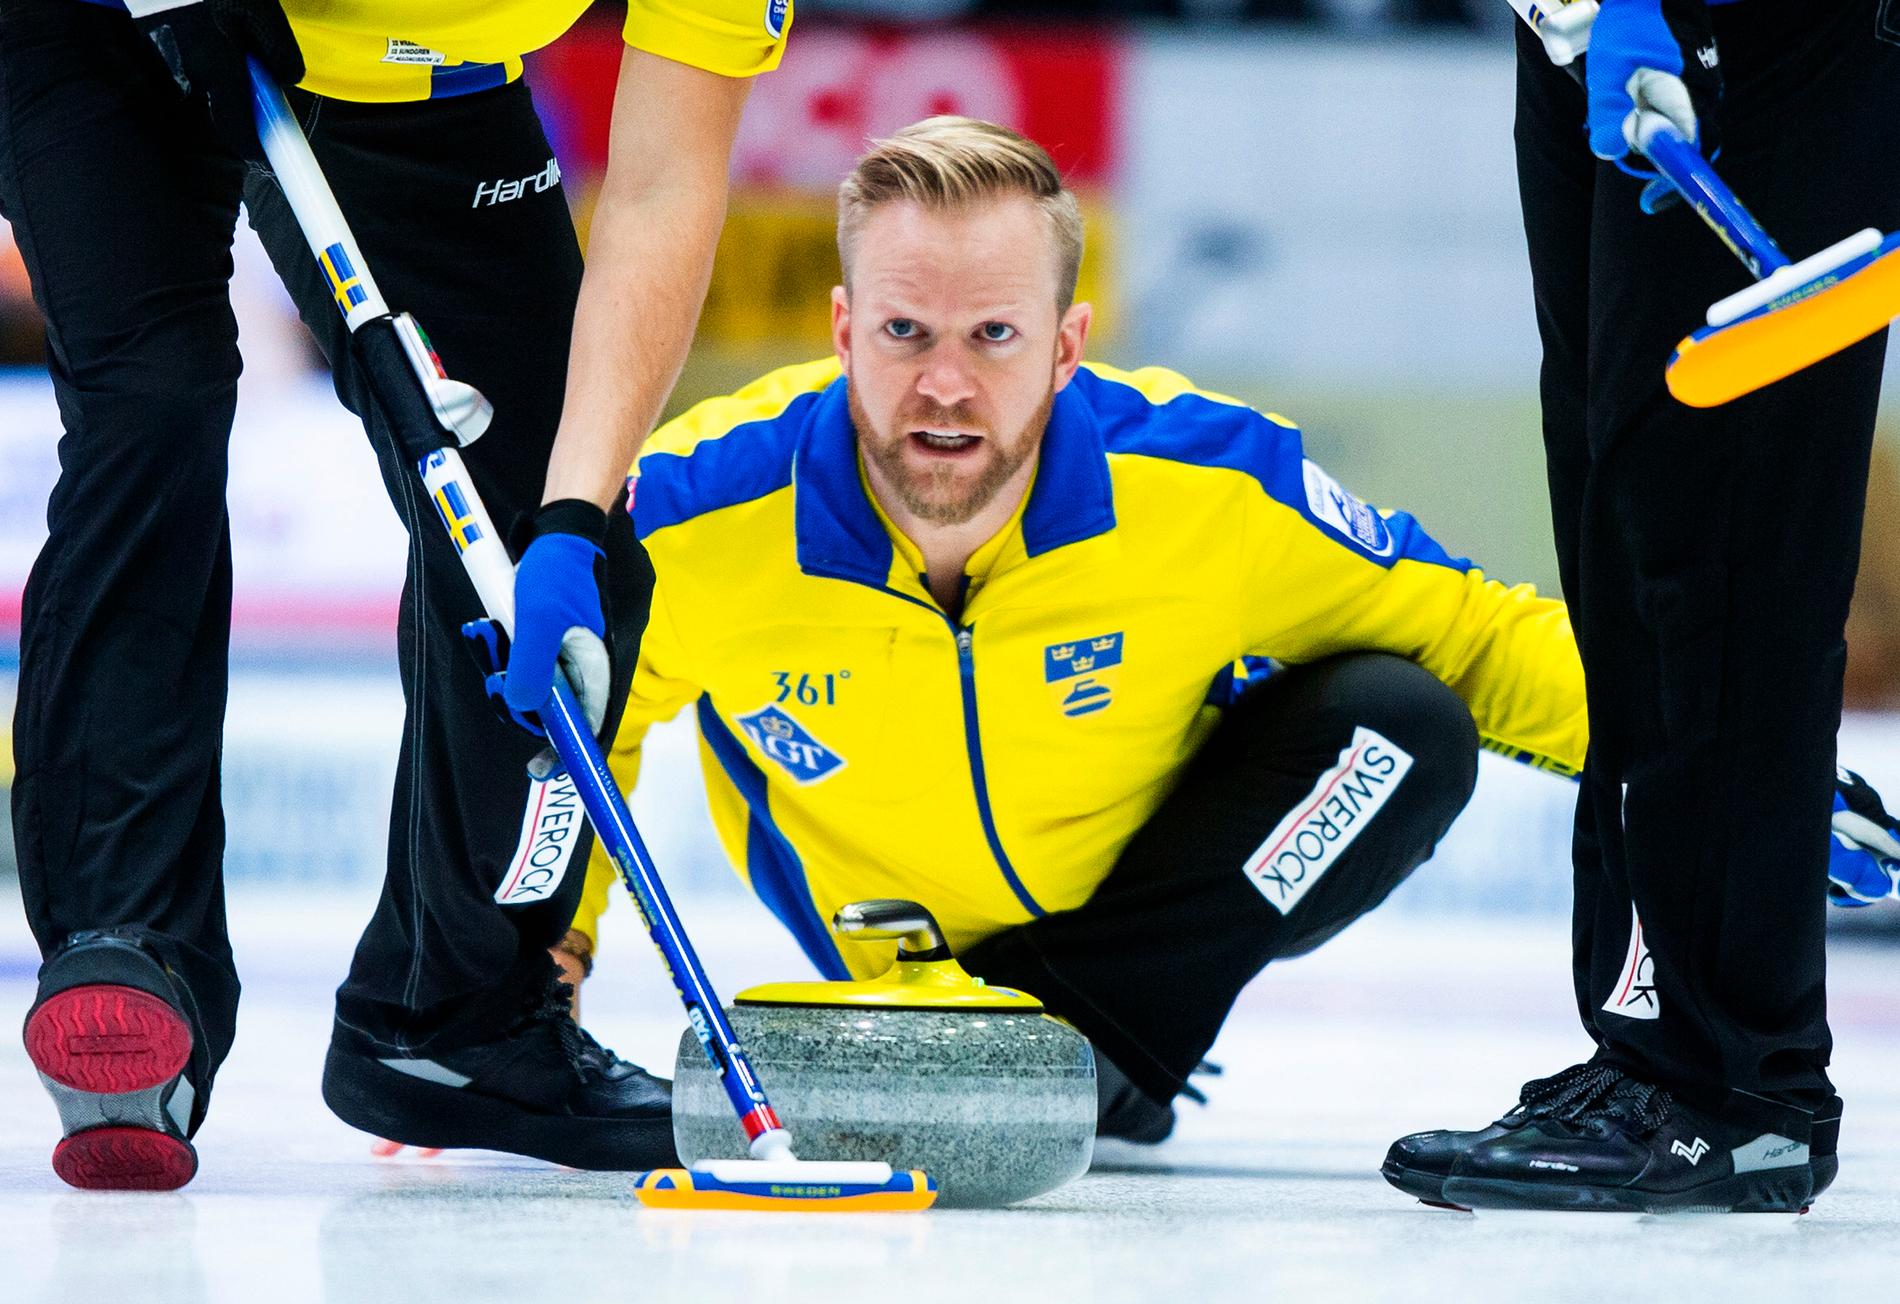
382 50
860 742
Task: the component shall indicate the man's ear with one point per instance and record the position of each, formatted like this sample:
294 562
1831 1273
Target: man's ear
1072 337
841 325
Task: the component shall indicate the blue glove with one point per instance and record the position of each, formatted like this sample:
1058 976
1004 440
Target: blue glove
489 642
558 613
1651 54
1864 857
1659 196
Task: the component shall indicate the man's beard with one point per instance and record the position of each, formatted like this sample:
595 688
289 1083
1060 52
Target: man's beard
939 494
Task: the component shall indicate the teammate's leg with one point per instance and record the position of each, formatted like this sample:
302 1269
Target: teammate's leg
1315 797
473 235
123 208
1720 720
1717 557
1556 190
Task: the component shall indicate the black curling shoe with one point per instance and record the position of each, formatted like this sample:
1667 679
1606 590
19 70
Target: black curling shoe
111 1033
1633 1148
1824 1159
1124 1112
1419 1164
545 1089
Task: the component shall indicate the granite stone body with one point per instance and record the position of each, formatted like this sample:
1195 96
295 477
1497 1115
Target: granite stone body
997 1106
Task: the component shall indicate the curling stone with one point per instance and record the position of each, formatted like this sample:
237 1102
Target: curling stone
922 1067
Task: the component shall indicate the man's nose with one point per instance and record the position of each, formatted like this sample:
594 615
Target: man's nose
947 379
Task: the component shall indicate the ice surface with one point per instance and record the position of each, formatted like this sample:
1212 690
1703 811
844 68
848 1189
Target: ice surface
1270 1192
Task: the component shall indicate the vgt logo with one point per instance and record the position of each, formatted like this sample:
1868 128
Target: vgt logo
1692 1153
785 741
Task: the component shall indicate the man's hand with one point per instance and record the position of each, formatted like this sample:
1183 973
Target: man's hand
203 44
1651 54
1864 858
558 614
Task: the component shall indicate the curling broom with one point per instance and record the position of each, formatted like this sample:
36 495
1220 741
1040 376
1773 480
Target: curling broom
1796 313
431 415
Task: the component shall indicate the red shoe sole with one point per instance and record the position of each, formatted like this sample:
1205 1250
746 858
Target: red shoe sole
108 1039
124 1159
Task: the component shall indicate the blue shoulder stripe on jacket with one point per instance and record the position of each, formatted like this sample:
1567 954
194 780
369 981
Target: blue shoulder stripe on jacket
1202 431
747 462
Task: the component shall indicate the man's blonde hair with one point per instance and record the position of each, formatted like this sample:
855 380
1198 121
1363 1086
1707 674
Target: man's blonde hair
950 162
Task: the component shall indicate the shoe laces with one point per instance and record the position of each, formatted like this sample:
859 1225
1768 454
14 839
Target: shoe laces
555 1005
1205 1069
1568 1093
1643 1105
1590 1093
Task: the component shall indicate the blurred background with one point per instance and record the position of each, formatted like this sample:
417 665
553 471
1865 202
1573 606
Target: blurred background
1309 204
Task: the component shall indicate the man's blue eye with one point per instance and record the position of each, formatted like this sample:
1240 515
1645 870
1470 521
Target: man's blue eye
902 328
996 332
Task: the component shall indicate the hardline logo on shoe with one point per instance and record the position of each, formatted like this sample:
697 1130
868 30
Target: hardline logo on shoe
1557 1164
550 828
1769 1151
1635 995
1319 828
1692 1153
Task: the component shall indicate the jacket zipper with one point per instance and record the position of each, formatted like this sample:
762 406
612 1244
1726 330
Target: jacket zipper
973 746
973 743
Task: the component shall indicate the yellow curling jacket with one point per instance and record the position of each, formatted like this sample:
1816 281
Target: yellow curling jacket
381 50
859 742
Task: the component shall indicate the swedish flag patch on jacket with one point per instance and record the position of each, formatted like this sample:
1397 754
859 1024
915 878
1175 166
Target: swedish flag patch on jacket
1081 675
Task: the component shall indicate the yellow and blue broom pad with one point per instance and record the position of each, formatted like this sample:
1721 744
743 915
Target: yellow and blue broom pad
707 1187
1812 320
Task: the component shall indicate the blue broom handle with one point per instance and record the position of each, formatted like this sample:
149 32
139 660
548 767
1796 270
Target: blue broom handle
1691 174
613 825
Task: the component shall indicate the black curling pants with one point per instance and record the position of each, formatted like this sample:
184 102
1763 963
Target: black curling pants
124 208
1708 557
1315 796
